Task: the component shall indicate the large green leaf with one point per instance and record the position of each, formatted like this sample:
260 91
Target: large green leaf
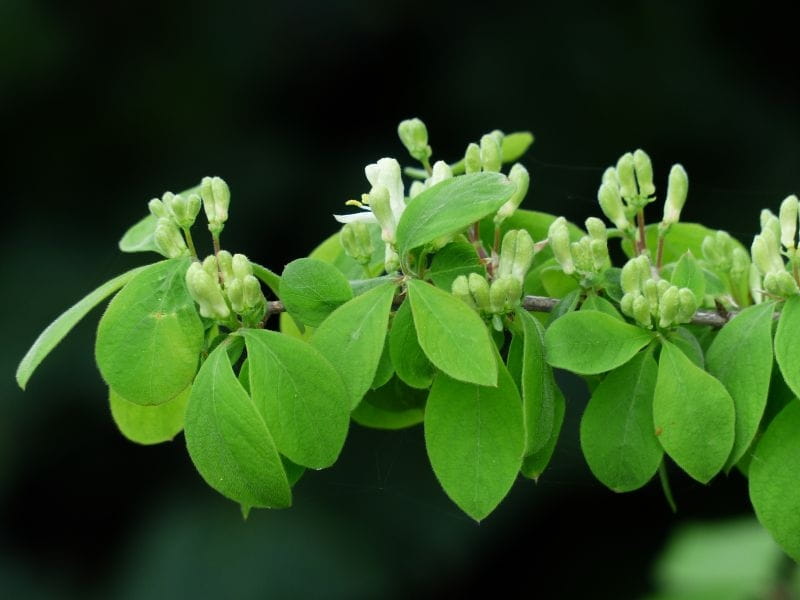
693 415
228 440
617 435
591 342
741 358
408 357
451 206
149 424
787 350
456 258
475 440
392 406
352 339
534 464
150 337
300 396
773 479
312 289
453 336
58 329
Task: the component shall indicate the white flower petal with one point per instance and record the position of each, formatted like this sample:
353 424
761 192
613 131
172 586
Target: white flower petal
362 217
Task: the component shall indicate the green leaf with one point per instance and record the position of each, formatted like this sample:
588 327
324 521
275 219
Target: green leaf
591 342
456 258
150 337
595 302
385 367
475 440
300 396
556 283
516 144
688 274
408 357
450 206
393 406
566 305
141 236
58 329
534 464
312 289
741 358
149 424
453 336
787 350
617 435
270 279
535 382
228 440
693 415
293 471
352 339
686 341
773 479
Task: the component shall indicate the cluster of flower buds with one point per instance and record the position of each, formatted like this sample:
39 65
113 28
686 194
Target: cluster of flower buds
654 302
503 295
174 212
357 242
731 262
225 283
216 200
768 255
587 257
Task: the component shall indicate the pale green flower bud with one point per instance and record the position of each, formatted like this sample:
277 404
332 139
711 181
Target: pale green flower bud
225 265
168 239
644 173
597 229
558 239
766 252
662 286
650 290
491 153
460 289
755 284
773 225
216 199
627 178
414 136
157 209
379 201
253 296
391 260
235 291
687 305
788 222
205 290
501 294
611 205
183 210
472 159
441 171
520 177
582 255
610 178
357 242
626 304
417 187
641 311
780 283
677 190
765 216
241 266
740 263
499 136
516 254
630 279
600 258
479 289
668 307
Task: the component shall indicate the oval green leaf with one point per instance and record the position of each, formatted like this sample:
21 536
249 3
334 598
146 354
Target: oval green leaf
149 424
457 258
617 435
312 289
393 406
693 415
591 342
408 357
475 440
140 237
787 350
534 464
228 440
453 336
150 337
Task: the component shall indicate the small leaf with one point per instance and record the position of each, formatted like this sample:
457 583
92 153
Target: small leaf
534 465
686 341
787 350
617 434
453 336
300 396
741 358
268 278
150 337
141 236
456 258
688 274
451 206
598 303
352 339
408 357
311 290
591 342
566 305
693 415
149 424
773 479
228 440
393 406
58 329
475 440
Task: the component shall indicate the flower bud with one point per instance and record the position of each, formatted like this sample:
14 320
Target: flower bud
650 290
225 265
764 217
740 263
253 296
206 292
211 267
641 311
610 177
491 153
235 292
516 254
644 173
788 222
611 205
183 210
414 136
441 171
558 239
755 284
502 294
241 266
168 239
380 203
677 190
668 307
596 229
627 179
357 242
634 273
391 260
520 177
626 304
157 209
780 283
600 258
479 289
687 305
216 199
662 286
773 225
472 159
416 188
582 255
460 289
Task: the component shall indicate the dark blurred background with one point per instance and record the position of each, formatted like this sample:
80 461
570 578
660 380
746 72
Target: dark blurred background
105 105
